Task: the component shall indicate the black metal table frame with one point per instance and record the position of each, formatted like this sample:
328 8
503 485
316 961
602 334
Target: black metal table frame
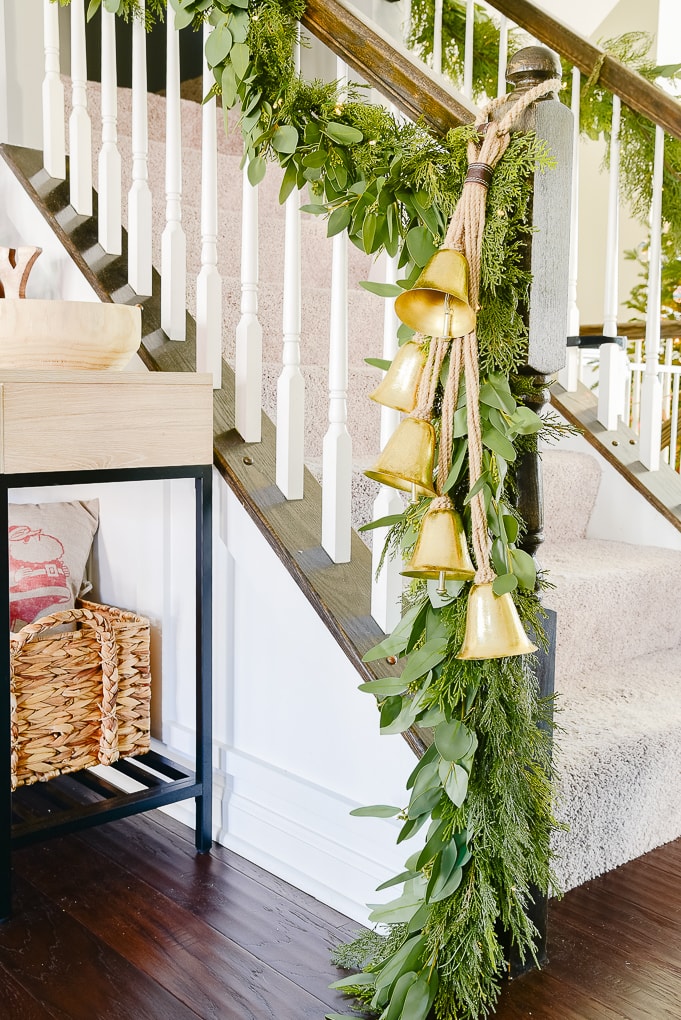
168 782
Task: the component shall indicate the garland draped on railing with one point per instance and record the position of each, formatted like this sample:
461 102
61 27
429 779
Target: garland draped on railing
481 794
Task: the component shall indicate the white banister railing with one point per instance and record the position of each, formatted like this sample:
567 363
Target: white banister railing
209 280
139 196
248 367
173 241
569 375
290 449
80 127
109 164
54 140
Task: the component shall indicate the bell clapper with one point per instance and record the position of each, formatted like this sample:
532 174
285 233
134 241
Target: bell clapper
442 585
413 492
447 325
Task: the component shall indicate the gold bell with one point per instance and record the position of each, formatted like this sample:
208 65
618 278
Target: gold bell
437 304
399 386
407 460
493 627
441 551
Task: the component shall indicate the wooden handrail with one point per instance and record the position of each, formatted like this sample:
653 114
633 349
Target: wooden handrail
391 69
640 95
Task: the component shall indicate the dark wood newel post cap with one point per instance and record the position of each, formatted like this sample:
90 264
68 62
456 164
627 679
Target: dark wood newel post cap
532 65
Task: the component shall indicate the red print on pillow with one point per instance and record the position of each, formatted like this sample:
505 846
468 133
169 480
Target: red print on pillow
37 574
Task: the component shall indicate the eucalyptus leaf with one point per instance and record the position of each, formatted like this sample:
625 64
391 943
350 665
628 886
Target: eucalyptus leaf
399 994
493 398
426 212
391 709
497 443
457 465
434 844
113 6
411 827
393 644
338 220
510 527
418 1001
425 760
405 718
381 522
344 134
431 717
420 245
387 686
93 7
424 804
314 208
384 365
316 159
448 887
504 583
257 169
382 289
218 44
353 980
285 139
229 87
405 876
453 740
376 811
240 58
404 332
408 957
396 912
460 423
425 658
524 568
455 781
482 483
289 181
525 421
239 24
369 232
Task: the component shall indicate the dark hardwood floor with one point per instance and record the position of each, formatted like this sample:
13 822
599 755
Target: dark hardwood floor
125 921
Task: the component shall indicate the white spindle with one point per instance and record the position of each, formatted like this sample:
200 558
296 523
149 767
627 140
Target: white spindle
651 390
675 422
54 140
386 586
80 127
209 281
337 447
139 196
109 165
503 56
468 50
611 369
569 376
667 377
611 289
173 241
636 386
3 78
290 449
437 37
249 331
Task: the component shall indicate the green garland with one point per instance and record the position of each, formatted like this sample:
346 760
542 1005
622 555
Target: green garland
481 794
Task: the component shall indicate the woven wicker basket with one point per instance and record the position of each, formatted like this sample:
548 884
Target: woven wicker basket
79 698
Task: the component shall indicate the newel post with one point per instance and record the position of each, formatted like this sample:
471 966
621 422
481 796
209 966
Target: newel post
547 319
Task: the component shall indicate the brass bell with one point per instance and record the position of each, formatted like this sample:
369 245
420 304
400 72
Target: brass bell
406 462
493 627
437 304
399 386
441 550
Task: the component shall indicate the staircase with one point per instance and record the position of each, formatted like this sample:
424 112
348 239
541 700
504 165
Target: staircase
619 740
619 633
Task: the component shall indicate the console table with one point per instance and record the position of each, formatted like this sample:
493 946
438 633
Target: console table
61 428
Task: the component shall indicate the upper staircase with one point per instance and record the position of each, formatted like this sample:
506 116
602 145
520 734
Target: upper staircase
619 739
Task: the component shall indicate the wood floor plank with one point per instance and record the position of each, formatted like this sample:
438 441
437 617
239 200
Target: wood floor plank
16 1001
184 954
73 973
538 994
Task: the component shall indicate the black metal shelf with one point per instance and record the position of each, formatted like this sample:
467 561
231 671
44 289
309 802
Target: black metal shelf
80 800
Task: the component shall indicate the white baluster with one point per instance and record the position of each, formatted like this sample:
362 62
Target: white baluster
569 376
139 196
337 447
636 386
673 460
80 127
611 384
109 165
468 50
3 78
503 56
437 37
651 390
248 369
291 385
173 241
386 587
54 140
209 281
667 377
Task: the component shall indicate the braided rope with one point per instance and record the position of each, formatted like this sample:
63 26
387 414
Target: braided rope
465 234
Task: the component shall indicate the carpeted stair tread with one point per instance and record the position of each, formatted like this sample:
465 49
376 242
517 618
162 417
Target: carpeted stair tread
618 756
571 482
611 598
